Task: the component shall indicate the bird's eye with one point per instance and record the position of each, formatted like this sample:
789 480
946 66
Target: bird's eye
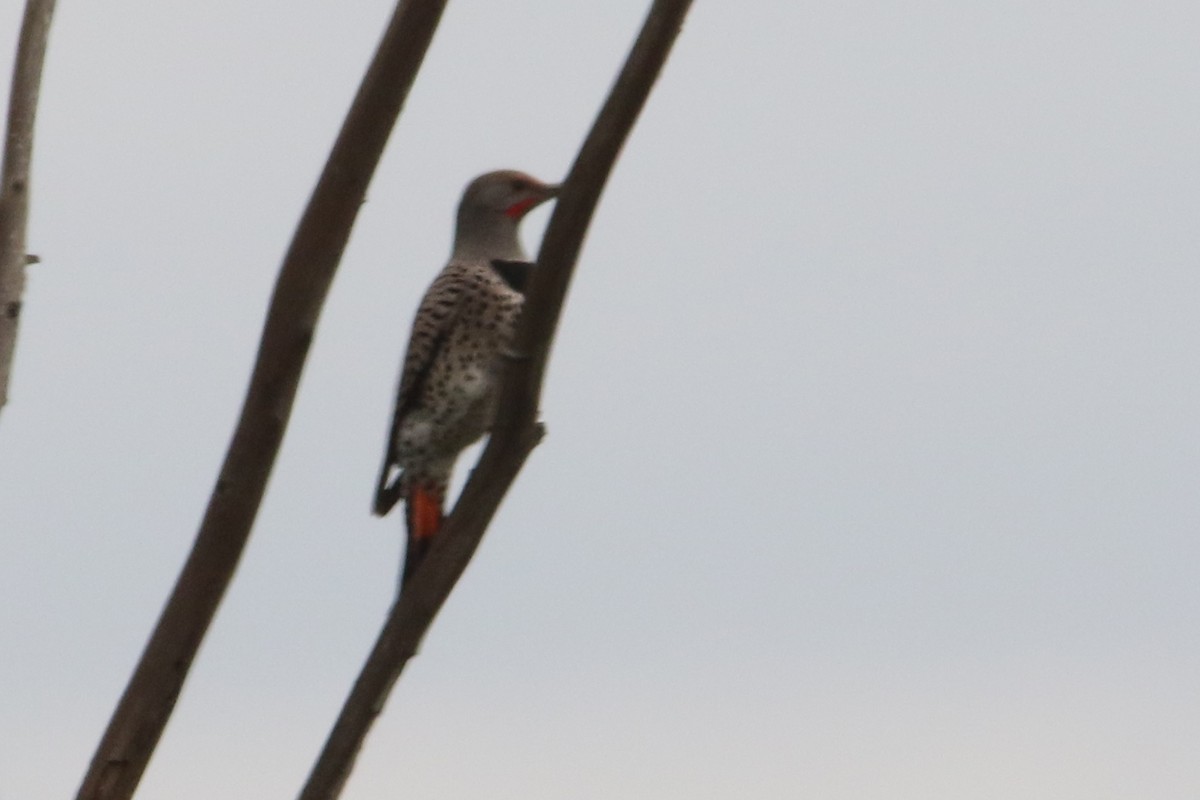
520 185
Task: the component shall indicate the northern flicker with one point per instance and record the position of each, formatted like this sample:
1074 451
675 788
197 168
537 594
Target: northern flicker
448 381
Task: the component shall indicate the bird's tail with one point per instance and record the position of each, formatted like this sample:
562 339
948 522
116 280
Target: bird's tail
423 515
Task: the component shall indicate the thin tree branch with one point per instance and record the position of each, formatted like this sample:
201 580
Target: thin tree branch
516 431
14 176
300 290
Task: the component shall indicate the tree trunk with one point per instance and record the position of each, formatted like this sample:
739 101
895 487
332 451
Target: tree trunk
304 279
14 177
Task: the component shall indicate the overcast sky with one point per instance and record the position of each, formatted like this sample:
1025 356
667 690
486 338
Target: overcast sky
873 456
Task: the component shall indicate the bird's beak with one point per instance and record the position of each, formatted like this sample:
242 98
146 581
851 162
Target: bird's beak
543 192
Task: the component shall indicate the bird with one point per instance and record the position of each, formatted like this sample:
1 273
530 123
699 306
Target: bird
446 399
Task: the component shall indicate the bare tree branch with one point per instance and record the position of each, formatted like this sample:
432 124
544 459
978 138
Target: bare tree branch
304 279
517 431
14 176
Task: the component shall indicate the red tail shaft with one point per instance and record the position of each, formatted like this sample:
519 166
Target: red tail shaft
424 519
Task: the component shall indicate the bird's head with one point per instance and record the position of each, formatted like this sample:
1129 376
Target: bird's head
506 193
492 207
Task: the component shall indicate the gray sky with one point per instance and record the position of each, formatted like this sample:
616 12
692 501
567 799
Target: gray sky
873 446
